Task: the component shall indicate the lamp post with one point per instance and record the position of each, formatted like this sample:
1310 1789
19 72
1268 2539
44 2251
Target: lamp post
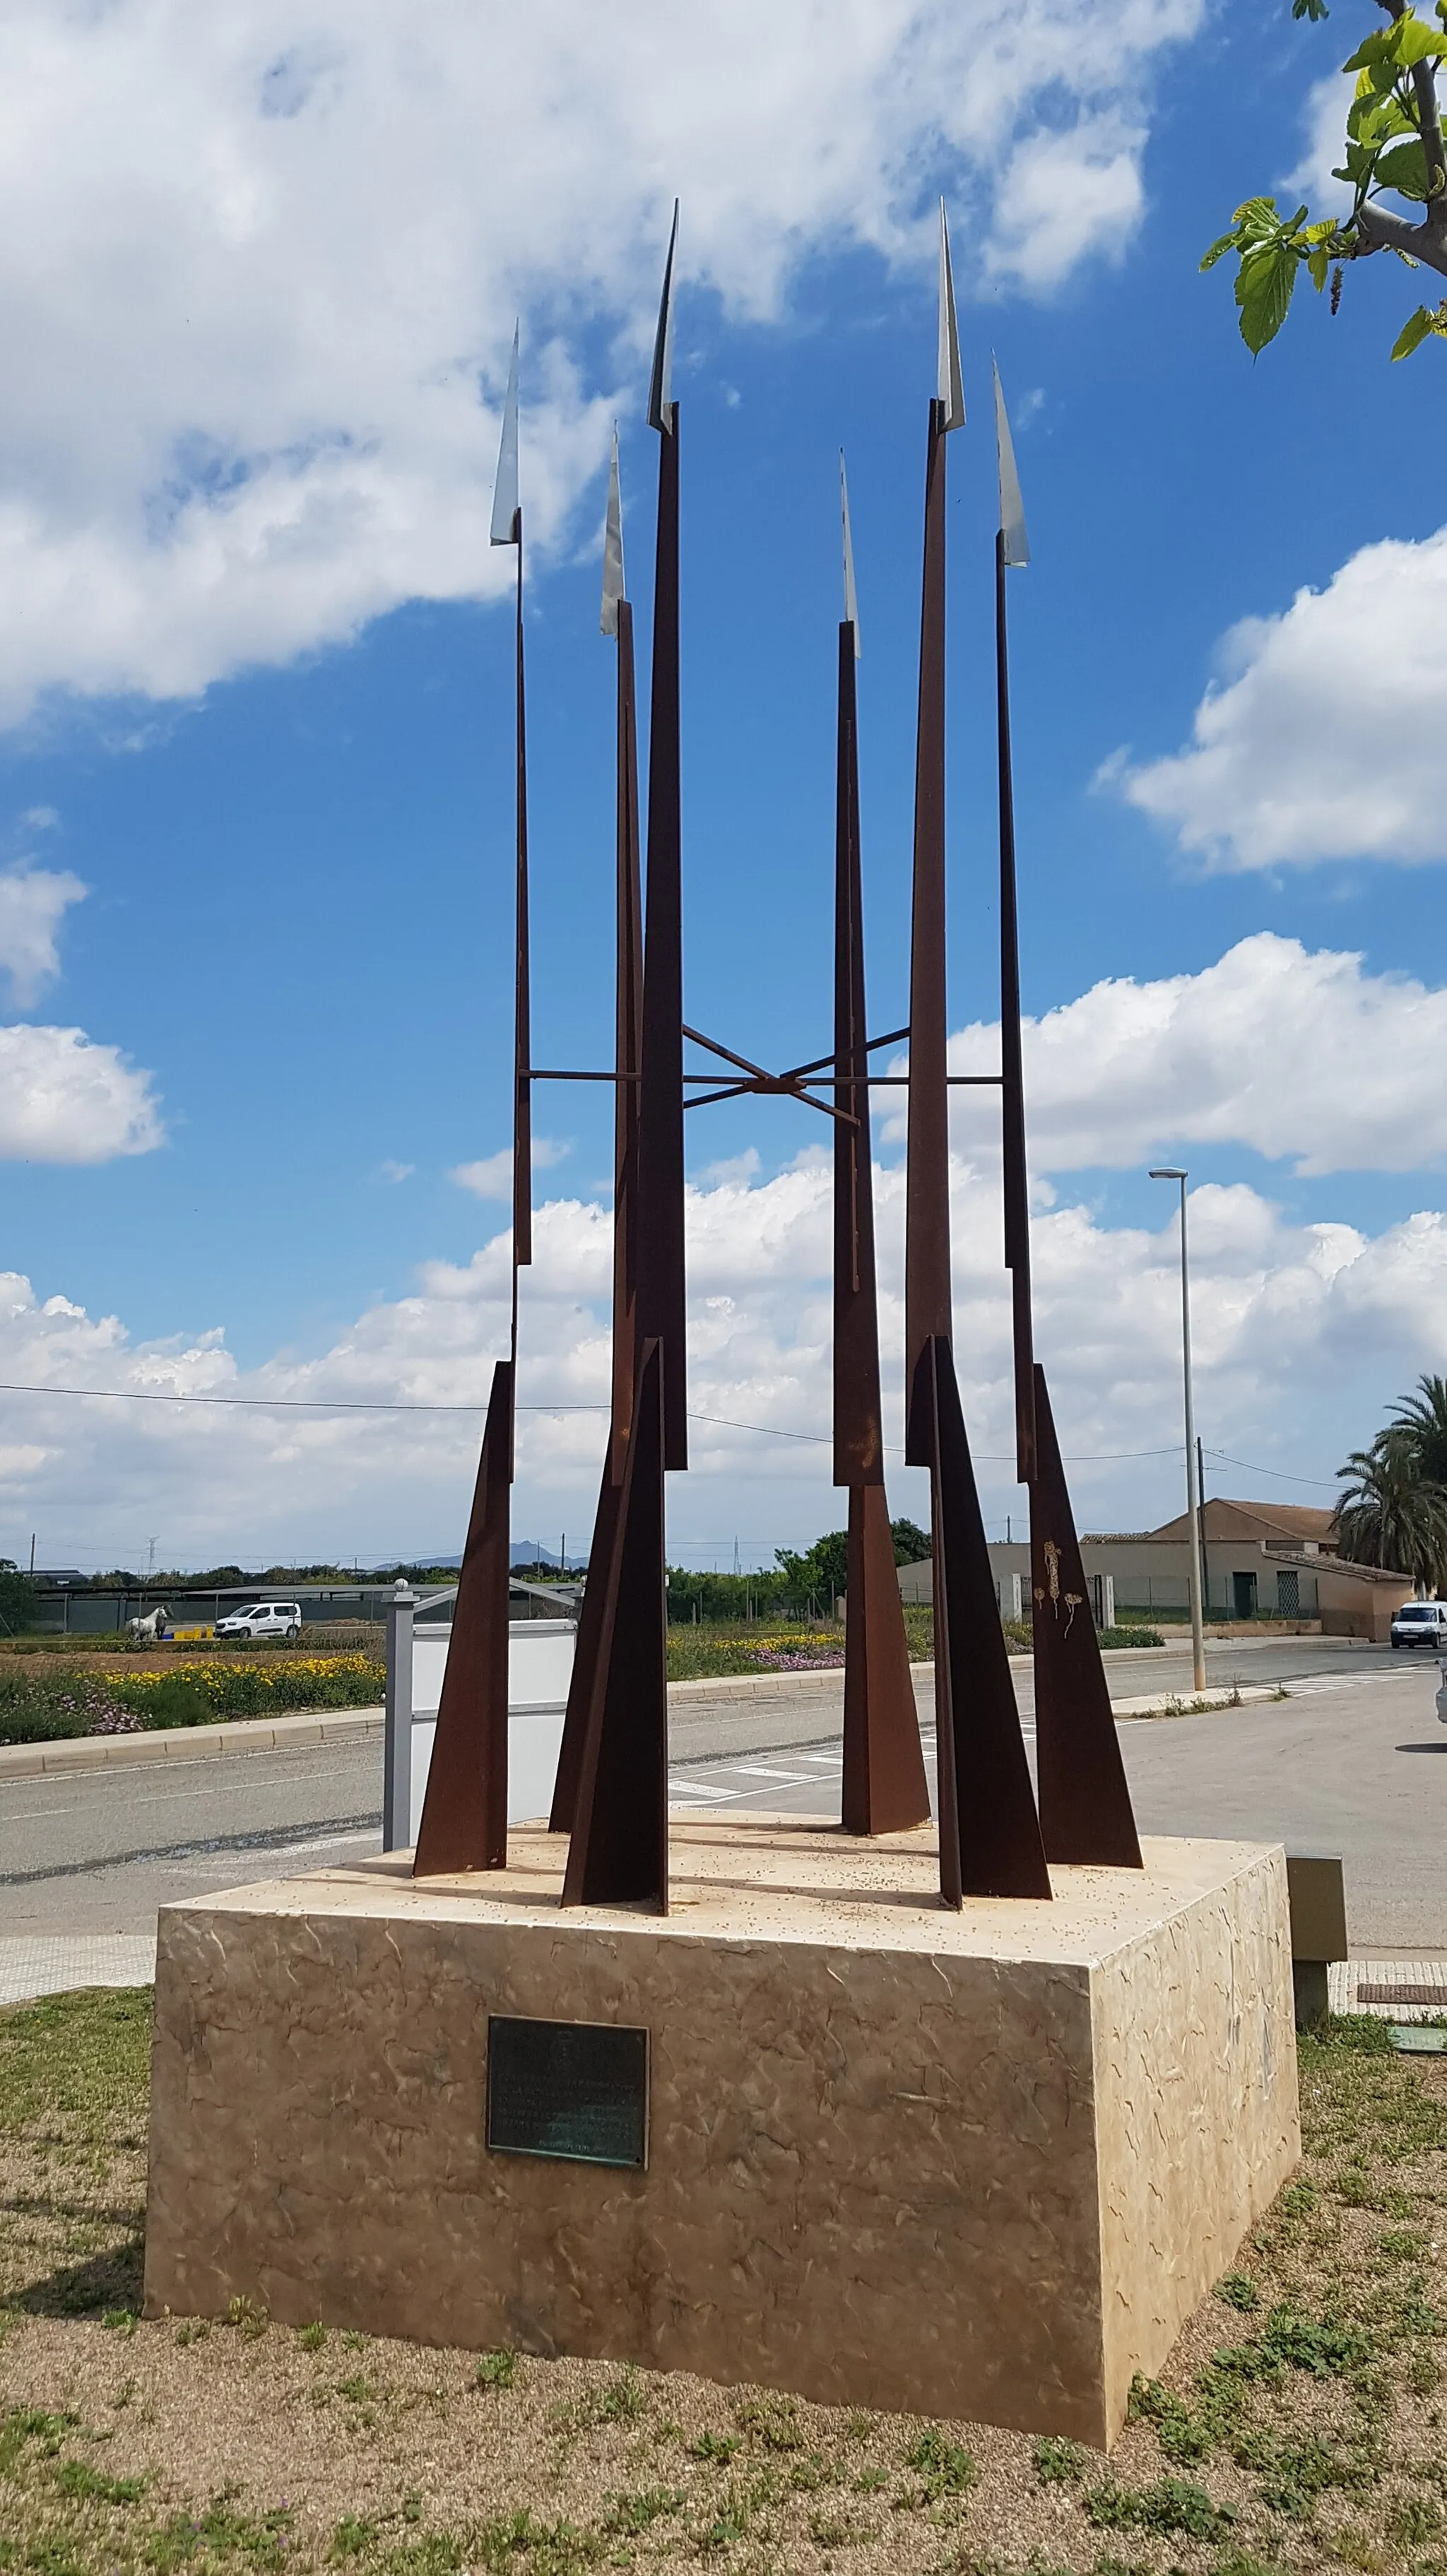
1193 1499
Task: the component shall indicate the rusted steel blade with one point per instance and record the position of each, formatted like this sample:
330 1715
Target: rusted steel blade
464 1814
1012 1093
1085 1808
927 1182
660 1128
884 1775
628 1003
627 1043
522 1134
858 1420
885 1787
618 1854
989 1831
588 1642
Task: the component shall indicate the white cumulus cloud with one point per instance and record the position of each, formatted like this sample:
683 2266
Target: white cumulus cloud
65 1098
1303 1332
33 903
259 267
491 1178
1300 1055
1325 738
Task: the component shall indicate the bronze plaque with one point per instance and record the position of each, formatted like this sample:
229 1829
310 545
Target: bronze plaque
572 2089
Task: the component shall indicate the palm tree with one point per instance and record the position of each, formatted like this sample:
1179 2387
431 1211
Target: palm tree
1388 1516
1421 1423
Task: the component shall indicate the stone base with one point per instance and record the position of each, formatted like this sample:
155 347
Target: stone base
981 2165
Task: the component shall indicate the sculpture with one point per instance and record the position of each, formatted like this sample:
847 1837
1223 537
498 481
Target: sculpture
611 1790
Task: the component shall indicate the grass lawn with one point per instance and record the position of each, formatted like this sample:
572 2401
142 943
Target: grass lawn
720 1646
1298 2425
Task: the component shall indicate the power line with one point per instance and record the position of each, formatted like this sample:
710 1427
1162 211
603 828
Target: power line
720 1421
277 1403
1324 1484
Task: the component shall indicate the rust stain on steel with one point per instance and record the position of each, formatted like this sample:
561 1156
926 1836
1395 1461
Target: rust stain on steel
618 1852
660 1309
1085 1806
1012 1094
522 1136
464 1813
927 1311
613 1784
628 1006
627 1046
885 1786
990 1841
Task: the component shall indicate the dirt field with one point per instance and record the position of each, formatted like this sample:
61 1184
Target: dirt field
1299 2424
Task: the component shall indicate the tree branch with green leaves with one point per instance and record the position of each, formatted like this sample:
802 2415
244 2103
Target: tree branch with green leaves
1394 149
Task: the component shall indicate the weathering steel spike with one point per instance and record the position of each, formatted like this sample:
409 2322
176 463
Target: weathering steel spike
951 386
660 388
1016 544
614 587
505 490
851 603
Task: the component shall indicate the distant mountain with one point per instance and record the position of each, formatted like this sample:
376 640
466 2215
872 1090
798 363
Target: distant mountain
524 1551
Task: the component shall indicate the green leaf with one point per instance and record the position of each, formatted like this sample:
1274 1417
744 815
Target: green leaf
1375 115
1405 169
1424 324
1218 249
1413 332
1396 48
1263 292
1312 9
1319 265
1258 215
1415 41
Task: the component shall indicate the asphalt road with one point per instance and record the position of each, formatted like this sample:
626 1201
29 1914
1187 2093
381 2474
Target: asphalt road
1353 1761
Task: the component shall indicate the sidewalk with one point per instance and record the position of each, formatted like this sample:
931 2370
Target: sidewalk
54 1966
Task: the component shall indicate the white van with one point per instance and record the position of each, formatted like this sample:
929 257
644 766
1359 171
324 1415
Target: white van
262 1619
1420 1623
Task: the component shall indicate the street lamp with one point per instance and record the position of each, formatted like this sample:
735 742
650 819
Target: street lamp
1193 1499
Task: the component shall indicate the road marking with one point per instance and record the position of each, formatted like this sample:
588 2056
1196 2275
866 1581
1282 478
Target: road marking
272 1839
283 1850
764 1771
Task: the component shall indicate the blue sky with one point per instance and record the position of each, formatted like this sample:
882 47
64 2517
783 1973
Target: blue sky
289 799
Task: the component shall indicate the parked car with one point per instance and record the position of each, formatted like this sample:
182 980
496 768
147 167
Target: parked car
262 1619
1420 1623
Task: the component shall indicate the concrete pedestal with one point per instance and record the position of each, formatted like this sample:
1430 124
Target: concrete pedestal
978 2165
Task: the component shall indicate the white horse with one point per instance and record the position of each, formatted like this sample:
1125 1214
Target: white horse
150 1628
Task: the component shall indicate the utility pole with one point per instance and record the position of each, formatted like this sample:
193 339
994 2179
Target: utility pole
1193 1491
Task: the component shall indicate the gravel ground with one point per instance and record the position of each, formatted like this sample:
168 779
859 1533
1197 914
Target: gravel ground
1299 2423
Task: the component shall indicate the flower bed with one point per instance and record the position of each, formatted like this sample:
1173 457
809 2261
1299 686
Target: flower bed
795 1653
37 1708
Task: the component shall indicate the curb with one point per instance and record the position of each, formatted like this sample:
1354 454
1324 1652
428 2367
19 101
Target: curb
1208 1703
188 1743
329 1726
760 1686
